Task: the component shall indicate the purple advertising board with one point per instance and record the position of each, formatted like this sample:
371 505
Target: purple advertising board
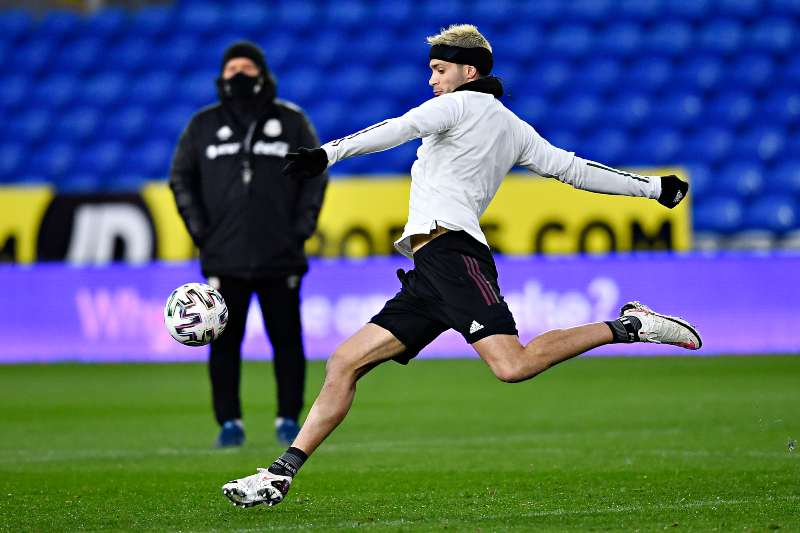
740 304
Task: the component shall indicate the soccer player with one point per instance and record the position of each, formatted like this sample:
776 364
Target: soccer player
470 141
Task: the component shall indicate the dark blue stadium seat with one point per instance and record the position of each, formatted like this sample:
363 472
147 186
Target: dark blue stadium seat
104 89
627 109
751 71
620 39
784 177
179 53
745 9
126 124
13 159
773 35
347 13
153 21
107 23
13 91
495 13
730 109
677 108
56 91
201 18
576 111
551 75
701 181
601 75
650 73
741 178
152 157
151 89
30 126
532 108
669 37
519 43
298 15
721 36
606 145
593 11
784 7
722 214
33 57
124 182
133 54
99 158
763 143
249 16
699 72
783 106
773 213
81 55
695 10
709 144
569 40
171 120
59 25
198 88
77 124
53 160
639 10
15 24
656 146
79 183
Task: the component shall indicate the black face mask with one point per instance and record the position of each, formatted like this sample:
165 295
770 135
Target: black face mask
241 86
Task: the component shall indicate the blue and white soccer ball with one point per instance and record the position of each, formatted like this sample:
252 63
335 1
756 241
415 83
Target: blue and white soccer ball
195 314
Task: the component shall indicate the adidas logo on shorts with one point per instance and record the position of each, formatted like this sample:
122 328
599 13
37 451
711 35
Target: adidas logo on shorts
475 327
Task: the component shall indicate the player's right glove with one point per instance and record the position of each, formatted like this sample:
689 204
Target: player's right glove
306 163
673 190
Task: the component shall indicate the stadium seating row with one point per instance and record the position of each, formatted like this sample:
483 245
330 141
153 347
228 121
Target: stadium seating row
97 102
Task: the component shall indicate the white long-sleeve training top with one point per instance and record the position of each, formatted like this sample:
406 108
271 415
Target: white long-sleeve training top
470 141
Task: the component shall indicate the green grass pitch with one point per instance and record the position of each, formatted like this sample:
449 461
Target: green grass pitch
682 444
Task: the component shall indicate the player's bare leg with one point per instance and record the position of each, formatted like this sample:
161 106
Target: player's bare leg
512 362
366 349
369 347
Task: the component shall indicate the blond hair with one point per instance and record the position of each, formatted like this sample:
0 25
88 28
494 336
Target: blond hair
461 35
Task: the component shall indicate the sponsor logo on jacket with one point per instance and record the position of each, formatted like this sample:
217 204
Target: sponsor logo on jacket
276 149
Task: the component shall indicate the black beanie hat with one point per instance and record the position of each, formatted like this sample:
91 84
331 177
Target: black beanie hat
249 50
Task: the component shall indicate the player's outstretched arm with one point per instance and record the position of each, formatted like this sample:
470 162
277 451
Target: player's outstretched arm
547 160
435 115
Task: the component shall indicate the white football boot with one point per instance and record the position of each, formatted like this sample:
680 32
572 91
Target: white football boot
662 329
262 487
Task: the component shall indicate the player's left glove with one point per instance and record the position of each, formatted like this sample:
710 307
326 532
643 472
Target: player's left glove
306 163
673 190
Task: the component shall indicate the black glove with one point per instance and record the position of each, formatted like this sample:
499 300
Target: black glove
673 190
306 163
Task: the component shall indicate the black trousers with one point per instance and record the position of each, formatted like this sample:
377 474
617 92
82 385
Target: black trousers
279 299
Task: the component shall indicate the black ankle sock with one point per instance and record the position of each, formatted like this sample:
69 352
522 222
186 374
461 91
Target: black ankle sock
625 329
289 463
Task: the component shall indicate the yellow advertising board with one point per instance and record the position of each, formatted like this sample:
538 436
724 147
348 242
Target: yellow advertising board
529 215
364 215
21 212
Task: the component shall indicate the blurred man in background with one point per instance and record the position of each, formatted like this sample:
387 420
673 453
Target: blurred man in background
250 223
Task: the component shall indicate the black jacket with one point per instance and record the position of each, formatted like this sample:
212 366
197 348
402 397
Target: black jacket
249 228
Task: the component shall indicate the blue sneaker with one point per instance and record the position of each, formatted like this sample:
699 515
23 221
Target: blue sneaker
286 430
231 434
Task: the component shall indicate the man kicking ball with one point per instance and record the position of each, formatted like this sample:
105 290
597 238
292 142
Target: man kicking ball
470 141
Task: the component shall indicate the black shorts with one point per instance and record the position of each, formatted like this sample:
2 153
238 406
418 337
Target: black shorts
453 285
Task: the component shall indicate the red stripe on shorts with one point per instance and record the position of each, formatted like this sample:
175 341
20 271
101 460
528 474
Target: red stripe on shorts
487 295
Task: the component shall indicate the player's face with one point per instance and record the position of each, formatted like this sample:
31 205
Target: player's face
237 65
446 77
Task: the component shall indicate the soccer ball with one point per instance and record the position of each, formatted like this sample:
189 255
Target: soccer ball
195 314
